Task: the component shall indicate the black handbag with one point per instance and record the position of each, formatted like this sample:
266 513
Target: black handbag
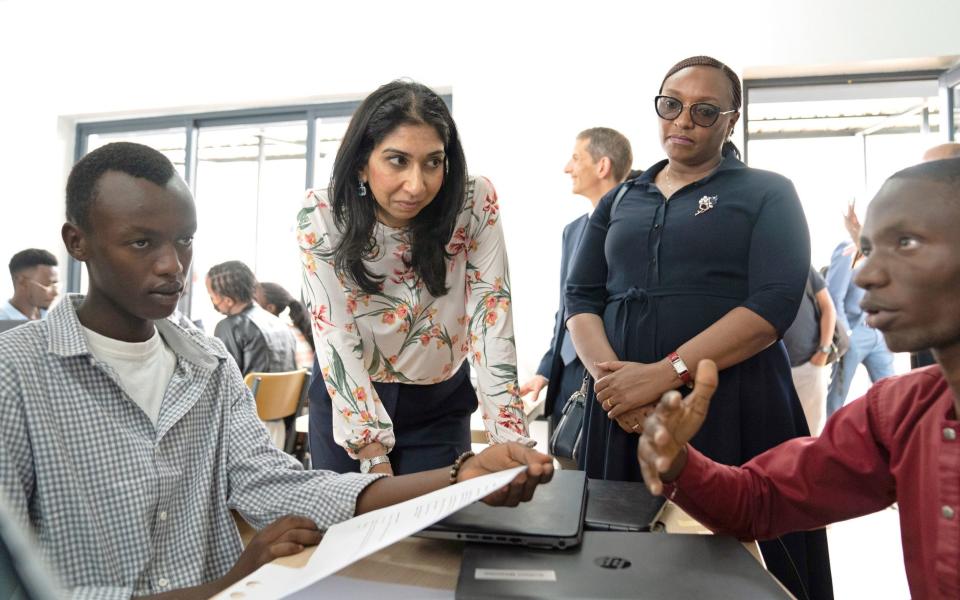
565 441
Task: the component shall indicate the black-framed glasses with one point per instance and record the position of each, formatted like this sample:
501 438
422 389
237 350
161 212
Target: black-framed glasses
703 114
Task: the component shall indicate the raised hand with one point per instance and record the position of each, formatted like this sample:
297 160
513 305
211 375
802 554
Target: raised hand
500 457
661 450
852 222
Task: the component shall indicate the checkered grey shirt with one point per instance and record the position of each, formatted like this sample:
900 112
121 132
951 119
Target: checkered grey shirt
122 507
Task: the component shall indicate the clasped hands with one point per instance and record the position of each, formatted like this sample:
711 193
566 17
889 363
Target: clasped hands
629 391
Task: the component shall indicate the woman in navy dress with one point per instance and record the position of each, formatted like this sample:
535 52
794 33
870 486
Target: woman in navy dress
701 257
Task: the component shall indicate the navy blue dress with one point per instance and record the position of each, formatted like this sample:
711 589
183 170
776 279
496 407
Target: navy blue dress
659 273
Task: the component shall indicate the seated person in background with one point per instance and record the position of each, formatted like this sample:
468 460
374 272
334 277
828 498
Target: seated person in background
896 444
275 300
256 339
126 440
34 274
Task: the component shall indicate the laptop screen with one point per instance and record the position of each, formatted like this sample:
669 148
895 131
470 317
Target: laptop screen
553 518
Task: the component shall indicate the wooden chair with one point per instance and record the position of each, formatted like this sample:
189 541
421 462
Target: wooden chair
280 396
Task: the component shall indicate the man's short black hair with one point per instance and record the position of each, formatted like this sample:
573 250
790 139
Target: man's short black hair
29 258
945 171
133 159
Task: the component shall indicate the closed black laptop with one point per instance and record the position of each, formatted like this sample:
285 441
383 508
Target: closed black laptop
552 519
613 565
620 506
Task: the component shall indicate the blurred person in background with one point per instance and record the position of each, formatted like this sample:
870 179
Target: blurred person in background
35 285
277 301
809 344
601 160
258 341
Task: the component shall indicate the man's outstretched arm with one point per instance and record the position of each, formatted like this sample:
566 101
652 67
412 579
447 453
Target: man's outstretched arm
804 483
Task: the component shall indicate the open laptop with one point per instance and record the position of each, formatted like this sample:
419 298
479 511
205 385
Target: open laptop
612 565
552 519
620 506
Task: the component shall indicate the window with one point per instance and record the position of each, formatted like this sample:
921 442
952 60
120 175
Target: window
839 138
248 171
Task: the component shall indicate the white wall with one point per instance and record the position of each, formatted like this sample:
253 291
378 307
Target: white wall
526 77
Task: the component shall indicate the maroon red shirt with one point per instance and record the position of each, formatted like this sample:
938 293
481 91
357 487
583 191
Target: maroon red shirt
899 443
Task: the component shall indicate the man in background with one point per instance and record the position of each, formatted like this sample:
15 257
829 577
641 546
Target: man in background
601 160
34 274
809 342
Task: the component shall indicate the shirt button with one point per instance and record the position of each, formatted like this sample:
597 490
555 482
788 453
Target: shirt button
947 512
163 515
657 226
949 434
162 582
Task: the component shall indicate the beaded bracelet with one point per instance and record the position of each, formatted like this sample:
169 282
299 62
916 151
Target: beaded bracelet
455 468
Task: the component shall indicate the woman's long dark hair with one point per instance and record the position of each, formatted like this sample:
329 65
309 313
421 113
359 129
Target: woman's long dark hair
275 294
390 106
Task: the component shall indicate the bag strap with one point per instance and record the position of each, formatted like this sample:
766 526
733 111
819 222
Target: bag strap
808 290
624 187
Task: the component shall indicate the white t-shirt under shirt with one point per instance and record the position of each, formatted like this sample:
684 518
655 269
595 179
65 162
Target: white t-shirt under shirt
144 368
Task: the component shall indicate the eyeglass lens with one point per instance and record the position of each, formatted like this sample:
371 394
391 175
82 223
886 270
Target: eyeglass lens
702 113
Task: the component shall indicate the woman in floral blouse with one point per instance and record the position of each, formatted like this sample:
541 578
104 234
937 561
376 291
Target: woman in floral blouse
405 275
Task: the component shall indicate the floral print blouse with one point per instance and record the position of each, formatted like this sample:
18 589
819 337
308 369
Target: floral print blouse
404 334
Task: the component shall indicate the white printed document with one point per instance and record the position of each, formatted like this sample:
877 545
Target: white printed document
347 542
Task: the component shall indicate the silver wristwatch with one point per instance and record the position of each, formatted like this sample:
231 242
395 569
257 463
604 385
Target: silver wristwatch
826 349
368 463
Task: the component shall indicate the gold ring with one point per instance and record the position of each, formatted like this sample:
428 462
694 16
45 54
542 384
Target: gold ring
636 426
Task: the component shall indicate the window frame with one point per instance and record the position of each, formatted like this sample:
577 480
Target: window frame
192 123
814 80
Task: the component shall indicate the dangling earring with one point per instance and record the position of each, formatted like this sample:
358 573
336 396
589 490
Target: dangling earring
446 167
362 189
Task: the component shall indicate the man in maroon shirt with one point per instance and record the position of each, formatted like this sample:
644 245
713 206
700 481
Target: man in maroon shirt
899 443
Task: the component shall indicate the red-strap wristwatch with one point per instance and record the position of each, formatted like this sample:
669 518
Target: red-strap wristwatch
680 367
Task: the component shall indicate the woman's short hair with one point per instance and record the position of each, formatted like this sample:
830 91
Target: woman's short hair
233 279
390 106
736 90
603 141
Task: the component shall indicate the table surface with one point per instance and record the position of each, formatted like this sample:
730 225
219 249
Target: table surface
432 563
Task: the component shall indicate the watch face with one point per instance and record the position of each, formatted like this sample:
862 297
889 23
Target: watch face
368 463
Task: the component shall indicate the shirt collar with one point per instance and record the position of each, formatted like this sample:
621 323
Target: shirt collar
727 163
67 339
9 308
